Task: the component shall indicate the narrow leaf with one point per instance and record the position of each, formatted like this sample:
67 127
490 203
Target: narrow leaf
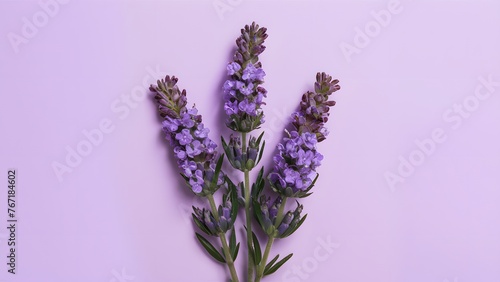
260 138
277 265
217 170
201 225
290 231
232 240
235 205
258 213
256 246
210 248
261 152
270 264
259 184
235 253
312 184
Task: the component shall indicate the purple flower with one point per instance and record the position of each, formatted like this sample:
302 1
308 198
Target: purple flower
184 137
310 140
170 124
247 89
197 181
291 176
210 145
187 120
232 68
294 164
305 157
201 132
239 85
251 73
180 153
194 149
247 107
228 85
231 108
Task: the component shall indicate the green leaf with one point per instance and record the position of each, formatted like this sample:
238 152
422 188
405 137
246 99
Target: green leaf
233 197
260 138
275 267
232 240
201 225
256 246
235 253
290 231
312 184
270 264
217 170
259 184
305 195
210 248
261 151
258 212
226 148
242 189
185 178
233 247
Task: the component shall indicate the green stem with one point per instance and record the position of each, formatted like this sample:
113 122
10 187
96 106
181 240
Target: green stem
229 258
281 214
262 266
225 247
248 214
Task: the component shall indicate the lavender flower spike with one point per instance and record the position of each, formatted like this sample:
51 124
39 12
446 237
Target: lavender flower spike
183 127
243 95
295 164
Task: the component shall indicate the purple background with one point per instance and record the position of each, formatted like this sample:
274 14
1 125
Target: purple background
123 210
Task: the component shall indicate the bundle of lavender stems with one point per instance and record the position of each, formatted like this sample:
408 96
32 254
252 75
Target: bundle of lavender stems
264 200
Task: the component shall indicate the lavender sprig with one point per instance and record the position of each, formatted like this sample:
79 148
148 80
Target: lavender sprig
243 98
243 95
295 164
196 155
195 152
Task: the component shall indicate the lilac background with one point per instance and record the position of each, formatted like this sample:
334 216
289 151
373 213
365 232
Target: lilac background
122 209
